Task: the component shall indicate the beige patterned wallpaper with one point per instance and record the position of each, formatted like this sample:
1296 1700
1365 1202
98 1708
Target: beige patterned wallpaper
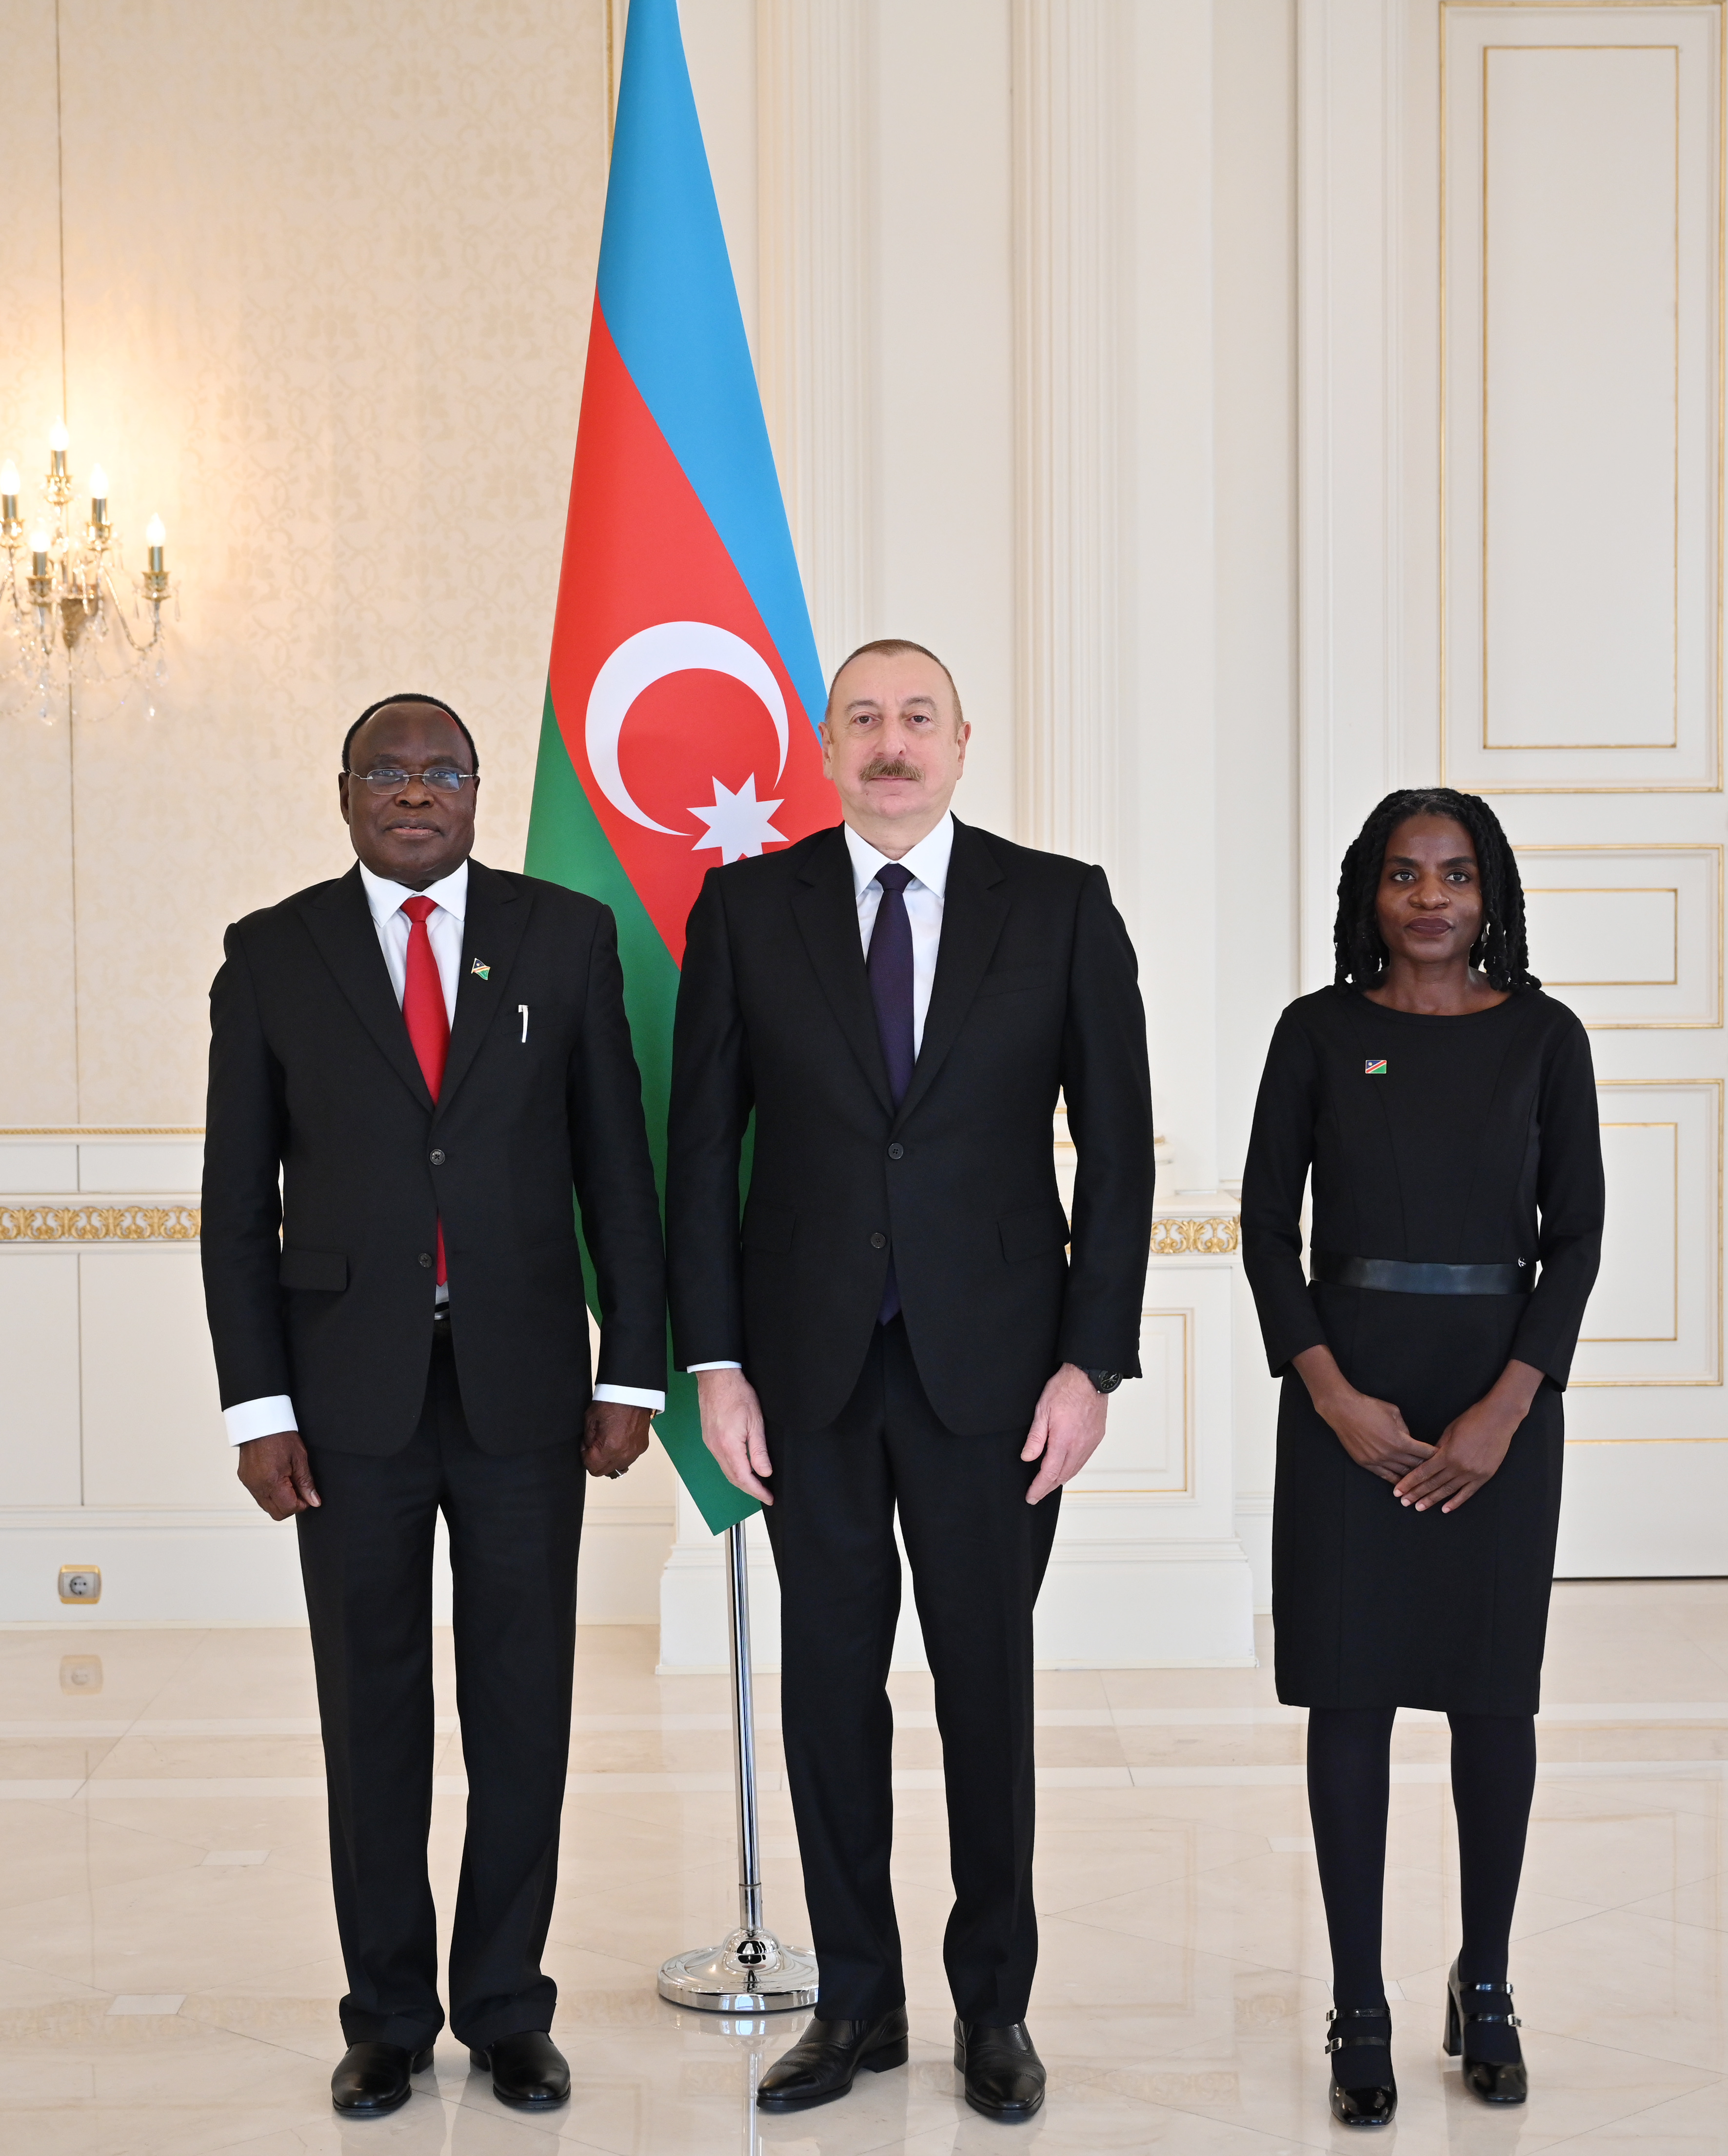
328 267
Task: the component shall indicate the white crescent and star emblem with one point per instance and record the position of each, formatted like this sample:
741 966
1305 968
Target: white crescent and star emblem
738 823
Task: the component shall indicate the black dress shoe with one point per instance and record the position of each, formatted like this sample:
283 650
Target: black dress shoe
1494 2057
1004 2075
1363 2091
373 2078
527 2070
824 2061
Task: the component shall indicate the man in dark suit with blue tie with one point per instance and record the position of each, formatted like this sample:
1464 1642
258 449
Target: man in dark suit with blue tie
898 1326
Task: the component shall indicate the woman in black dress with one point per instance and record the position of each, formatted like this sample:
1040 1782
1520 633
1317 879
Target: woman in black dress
1447 1109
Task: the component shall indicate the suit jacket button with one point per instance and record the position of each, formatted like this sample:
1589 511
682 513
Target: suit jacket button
897 1152
878 1241
426 1257
438 1157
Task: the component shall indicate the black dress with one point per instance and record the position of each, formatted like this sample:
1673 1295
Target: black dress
1476 1144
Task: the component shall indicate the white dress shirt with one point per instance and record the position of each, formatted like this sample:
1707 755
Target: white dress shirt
262 1417
927 862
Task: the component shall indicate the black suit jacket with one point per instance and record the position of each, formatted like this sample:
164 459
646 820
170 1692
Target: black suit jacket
327 1293
1036 992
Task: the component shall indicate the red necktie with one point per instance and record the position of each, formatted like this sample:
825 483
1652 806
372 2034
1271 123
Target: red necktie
422 1006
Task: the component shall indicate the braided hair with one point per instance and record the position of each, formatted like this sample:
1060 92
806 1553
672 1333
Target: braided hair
1499 949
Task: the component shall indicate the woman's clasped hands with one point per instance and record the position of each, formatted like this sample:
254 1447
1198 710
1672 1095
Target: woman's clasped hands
1373 1432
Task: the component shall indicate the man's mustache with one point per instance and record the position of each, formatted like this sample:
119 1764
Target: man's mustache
892 767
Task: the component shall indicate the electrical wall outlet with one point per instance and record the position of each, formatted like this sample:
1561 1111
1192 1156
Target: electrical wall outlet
81 1582
80 1673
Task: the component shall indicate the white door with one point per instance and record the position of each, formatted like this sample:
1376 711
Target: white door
1582 175
1511 294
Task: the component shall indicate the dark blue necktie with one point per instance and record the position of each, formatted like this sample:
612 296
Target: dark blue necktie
890 969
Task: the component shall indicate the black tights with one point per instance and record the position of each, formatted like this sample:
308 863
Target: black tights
1493 1779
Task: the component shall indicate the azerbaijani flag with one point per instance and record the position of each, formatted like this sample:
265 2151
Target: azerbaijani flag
680 728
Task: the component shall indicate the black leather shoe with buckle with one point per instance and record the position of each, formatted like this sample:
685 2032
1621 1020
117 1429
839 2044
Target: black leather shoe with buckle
1363 2090
527 2070
1494 2057
824 2062
373 2078
1004 2075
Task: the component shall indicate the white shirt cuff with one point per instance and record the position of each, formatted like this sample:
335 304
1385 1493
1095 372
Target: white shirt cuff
249 1418
695 1367
631 1396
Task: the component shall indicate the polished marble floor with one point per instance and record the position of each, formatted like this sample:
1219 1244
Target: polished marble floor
168 1968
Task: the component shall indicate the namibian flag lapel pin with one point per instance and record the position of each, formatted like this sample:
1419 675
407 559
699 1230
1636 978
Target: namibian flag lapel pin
485 974
1375 1067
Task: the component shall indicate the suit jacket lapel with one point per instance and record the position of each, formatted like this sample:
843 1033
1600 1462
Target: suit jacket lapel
974 908
498 909
340 923
824 904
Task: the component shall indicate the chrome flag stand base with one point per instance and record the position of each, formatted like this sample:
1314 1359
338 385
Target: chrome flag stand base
750 1972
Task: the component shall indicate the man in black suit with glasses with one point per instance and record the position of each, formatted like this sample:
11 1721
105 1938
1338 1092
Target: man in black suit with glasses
418 1073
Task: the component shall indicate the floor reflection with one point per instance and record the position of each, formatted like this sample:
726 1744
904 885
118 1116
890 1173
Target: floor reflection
168 1966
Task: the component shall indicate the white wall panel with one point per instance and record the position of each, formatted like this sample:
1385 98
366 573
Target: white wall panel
141 1164
1581 208
816 345
152 1424
1149 1434
1637 1297
32 1168
1654 1317
1644 1507
1622 939
1581 280
39 1378
944 359
1630 937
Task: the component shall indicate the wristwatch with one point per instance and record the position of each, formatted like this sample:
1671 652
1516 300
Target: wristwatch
1103 1381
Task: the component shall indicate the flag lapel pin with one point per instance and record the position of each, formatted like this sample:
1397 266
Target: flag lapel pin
1375 1067
485 974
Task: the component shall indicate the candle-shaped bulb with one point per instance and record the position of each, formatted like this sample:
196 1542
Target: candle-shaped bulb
98 484
156 536
9 477
58 437
39 551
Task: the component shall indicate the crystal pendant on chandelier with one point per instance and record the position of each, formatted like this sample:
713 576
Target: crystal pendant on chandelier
77 630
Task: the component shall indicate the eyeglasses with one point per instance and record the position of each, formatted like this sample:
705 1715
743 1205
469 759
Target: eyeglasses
442 779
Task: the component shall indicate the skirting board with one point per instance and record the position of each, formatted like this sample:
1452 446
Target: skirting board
1647 1509
1104 1605
226 1568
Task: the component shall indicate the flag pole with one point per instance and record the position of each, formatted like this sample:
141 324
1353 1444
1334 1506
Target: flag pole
749 1972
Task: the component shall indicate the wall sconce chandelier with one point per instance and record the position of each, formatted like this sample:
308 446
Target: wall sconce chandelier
62 611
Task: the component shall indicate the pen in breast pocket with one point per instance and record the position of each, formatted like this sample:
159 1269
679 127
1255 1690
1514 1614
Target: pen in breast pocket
523 1009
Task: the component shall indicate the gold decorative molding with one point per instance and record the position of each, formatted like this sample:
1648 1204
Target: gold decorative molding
1213 1237
23 1222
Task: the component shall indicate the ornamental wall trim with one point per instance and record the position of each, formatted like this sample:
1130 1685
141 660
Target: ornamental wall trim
23 1222
1215 1236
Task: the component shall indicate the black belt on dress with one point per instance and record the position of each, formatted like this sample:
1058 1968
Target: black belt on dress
1392 1276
